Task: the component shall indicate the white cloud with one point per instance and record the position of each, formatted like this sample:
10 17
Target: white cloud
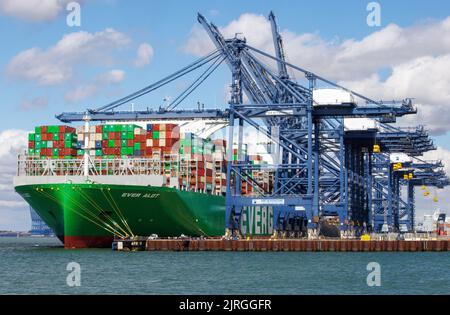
56 64
418 57
12 204
35 103
13 210
12 142
144 55
104 80
33 10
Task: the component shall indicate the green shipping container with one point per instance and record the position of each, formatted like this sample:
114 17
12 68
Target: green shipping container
123 143
124 151
31 151
98 152
80 152
155 135
56 137
70 137
37 130
53 129
111 144
68 144
137 146
105 136
55 152
31 137
37 152
43 145
38 145
37 137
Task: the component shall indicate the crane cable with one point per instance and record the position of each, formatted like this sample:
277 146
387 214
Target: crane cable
93 203
197 64
194 84
61 204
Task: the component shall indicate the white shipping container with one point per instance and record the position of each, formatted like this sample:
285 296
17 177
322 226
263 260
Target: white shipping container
332 97
162 142
98 137
400 158
149 142
357 124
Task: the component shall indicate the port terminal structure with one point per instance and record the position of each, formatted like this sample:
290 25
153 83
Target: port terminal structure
340 153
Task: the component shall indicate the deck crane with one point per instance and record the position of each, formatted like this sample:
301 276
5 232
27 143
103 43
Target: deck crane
279 49
323 168
298 181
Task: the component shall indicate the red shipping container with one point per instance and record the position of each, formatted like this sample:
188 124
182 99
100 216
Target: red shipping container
116 151
61 129
104 143
156 142
31 144
149 135
148 151
117 143
111 135
99 129
43 129
130 143
155 127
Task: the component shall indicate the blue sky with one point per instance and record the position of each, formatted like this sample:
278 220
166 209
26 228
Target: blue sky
166 26
322 35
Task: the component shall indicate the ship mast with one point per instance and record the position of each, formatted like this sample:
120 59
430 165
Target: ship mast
86 119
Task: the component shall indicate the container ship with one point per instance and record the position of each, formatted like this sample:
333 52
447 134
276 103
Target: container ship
96 182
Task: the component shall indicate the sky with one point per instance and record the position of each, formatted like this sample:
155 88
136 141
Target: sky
48 67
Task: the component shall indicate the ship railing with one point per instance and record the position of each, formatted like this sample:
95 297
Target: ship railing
191 172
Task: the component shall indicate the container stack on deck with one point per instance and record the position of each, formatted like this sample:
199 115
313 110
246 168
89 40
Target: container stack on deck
199 163
58 142
112 141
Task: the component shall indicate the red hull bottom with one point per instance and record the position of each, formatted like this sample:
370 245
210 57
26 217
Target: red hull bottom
88 241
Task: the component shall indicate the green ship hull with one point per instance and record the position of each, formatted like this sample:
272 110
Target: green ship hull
89 215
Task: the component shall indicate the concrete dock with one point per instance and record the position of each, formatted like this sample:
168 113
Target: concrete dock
283 245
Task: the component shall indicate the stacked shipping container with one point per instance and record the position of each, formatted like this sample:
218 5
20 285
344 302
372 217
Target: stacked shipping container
57 142
199 163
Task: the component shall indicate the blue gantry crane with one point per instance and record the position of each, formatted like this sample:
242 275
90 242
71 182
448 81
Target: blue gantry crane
334 158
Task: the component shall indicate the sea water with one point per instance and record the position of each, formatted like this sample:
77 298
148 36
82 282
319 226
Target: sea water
39 266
